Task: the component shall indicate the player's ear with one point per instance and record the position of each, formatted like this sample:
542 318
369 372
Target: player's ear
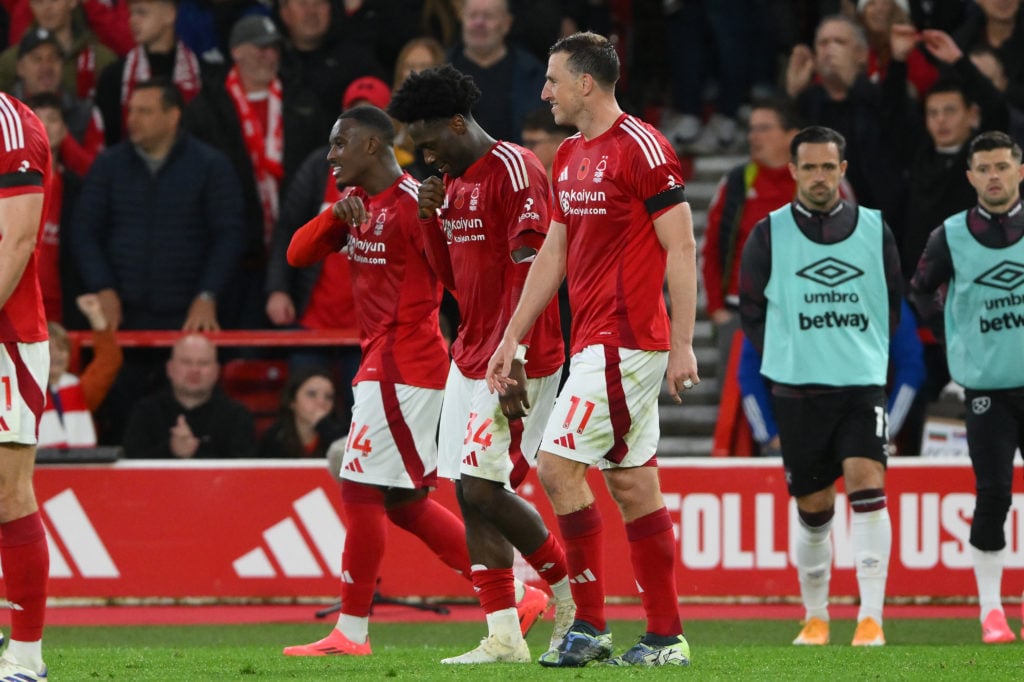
457 124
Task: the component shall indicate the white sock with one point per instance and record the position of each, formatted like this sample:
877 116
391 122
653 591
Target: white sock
814 567
504 625
871 536
519 586
356 628
27 654
561 590
988 573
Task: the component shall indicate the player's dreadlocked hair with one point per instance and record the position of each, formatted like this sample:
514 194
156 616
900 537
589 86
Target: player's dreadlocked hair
433 94
372 117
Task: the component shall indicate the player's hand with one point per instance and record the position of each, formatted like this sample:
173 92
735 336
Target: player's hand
941 45
110 302
500 365
184 444
515 403
682 371
902 39
799 70
721 316
202 316
431 196
280 309
351 210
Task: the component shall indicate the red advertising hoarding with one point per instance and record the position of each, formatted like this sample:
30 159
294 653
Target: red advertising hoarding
260 530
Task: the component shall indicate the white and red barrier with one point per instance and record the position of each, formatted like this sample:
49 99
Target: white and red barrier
266 529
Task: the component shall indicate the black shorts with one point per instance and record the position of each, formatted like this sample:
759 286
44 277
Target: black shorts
995 429
818 432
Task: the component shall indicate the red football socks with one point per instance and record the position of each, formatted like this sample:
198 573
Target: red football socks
25 559
652 548
584 553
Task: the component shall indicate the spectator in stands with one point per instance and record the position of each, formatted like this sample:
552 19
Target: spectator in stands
57 274
726 39
844 99
84 56
157 230
988 63
416 55
71 400
510 78
745 195
266 127
541 135
157 54
311 60
307 424
1000 25
191 418
934 154
39 71
878 17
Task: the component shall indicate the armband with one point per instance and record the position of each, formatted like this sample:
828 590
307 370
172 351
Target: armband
520 353
670 197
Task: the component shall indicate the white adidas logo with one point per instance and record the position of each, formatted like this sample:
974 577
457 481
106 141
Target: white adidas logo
289 549
587 576
69 522
564 175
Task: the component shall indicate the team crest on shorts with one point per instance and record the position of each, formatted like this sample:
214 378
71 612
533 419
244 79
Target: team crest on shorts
981 404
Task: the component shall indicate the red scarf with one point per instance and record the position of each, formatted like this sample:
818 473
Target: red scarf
86 64
265 144
185 74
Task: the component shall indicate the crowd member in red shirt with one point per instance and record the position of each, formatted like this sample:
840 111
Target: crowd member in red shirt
24 368
745 194
389 461
620 227
492 210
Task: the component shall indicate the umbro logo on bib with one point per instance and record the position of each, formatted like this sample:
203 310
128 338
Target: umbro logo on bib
830 272
1006 276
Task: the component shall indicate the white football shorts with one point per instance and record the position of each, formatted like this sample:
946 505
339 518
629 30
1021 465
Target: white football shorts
607 411
24 373
392 441
476 439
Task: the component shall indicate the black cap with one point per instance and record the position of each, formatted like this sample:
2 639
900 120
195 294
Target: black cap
33 38
256 29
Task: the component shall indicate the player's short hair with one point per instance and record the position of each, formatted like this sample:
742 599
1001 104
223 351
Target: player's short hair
993 139
818 135
948 83
592 54
784 109
170 95
433 94
372 117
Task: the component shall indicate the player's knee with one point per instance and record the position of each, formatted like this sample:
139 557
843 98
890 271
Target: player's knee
480 494
989 517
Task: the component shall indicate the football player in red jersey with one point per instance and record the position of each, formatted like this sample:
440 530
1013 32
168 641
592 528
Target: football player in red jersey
486 220
621 226
24 369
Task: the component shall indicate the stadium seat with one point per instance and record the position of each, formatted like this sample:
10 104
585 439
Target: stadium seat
257 384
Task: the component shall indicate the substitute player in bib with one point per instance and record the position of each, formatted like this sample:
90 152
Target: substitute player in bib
390 457
492 209
620 225
980 254
820 296
24 370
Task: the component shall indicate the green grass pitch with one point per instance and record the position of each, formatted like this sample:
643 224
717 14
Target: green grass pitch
721 650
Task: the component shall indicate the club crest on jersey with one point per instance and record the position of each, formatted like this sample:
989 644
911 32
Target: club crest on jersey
581 172
602 166
378 227
474 197
460 197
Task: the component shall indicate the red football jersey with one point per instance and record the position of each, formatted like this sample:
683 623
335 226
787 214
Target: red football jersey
501 203
24 169
615 263
396 293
